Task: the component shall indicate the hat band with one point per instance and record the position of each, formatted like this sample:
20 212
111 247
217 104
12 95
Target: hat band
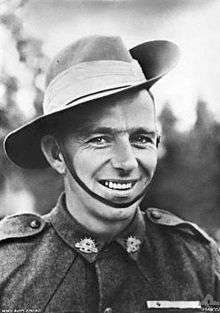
87 78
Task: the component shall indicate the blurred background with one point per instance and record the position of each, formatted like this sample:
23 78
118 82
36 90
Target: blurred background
187 181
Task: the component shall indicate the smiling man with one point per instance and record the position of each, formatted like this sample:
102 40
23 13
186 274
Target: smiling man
96 251
109 151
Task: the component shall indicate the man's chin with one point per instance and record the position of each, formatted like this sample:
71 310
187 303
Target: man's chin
126 202
122 200
118 198
120 214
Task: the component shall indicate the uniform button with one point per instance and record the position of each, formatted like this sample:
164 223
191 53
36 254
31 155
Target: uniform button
156 214
35 224
108 310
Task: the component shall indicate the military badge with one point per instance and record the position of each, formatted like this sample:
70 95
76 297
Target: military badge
86 245
133 244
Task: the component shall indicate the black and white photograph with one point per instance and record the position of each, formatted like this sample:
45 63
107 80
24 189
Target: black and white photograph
109 156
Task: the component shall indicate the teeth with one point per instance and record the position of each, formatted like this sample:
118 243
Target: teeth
117 186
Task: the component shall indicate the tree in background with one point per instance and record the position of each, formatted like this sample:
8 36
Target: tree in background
187 179
18 186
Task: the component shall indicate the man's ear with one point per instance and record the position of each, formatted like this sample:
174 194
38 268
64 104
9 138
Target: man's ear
51 151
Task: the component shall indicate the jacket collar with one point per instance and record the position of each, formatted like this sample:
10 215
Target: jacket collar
86 243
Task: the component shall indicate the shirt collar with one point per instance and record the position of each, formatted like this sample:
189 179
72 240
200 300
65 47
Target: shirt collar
86 243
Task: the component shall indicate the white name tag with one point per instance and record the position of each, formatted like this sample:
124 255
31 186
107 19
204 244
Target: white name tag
173 304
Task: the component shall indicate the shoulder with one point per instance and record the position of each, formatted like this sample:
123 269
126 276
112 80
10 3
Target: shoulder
185 232
21 226
22 237
174 222
191 241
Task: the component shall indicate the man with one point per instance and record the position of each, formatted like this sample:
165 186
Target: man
96 252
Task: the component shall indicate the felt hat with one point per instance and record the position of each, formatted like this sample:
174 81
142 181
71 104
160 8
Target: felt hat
91 68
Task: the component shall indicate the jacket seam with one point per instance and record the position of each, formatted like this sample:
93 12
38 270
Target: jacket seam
58 285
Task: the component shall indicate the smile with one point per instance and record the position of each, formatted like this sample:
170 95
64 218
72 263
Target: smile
114 185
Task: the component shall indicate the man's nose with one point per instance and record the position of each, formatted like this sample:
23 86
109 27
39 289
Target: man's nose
124 157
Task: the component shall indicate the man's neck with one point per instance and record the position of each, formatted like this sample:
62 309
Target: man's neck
102 228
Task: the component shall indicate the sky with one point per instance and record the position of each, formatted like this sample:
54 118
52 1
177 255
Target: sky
192 24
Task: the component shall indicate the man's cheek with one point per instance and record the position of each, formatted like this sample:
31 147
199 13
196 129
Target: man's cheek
149 164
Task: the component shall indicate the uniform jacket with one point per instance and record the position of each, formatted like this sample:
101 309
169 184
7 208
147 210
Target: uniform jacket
52 264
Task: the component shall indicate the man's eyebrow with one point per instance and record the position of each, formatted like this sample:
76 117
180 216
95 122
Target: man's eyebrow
112 131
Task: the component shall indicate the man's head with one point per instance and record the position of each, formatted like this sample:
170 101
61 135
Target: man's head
111 147
97 89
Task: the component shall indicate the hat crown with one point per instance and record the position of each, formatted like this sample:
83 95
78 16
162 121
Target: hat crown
88 49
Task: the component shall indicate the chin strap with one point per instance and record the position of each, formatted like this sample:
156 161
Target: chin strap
158 141
93 194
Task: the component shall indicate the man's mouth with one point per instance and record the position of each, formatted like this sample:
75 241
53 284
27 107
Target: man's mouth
118 185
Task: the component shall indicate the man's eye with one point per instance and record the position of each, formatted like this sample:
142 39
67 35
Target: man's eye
100 140
142 140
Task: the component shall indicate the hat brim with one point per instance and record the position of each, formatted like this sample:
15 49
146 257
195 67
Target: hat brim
23 145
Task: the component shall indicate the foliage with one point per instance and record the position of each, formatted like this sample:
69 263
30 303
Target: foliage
187 179
25 53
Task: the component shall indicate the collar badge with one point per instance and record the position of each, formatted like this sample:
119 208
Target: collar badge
86 245
133 244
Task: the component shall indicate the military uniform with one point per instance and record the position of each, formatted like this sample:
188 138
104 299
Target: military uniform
52 264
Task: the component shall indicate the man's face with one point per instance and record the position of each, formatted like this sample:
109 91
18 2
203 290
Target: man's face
114 151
